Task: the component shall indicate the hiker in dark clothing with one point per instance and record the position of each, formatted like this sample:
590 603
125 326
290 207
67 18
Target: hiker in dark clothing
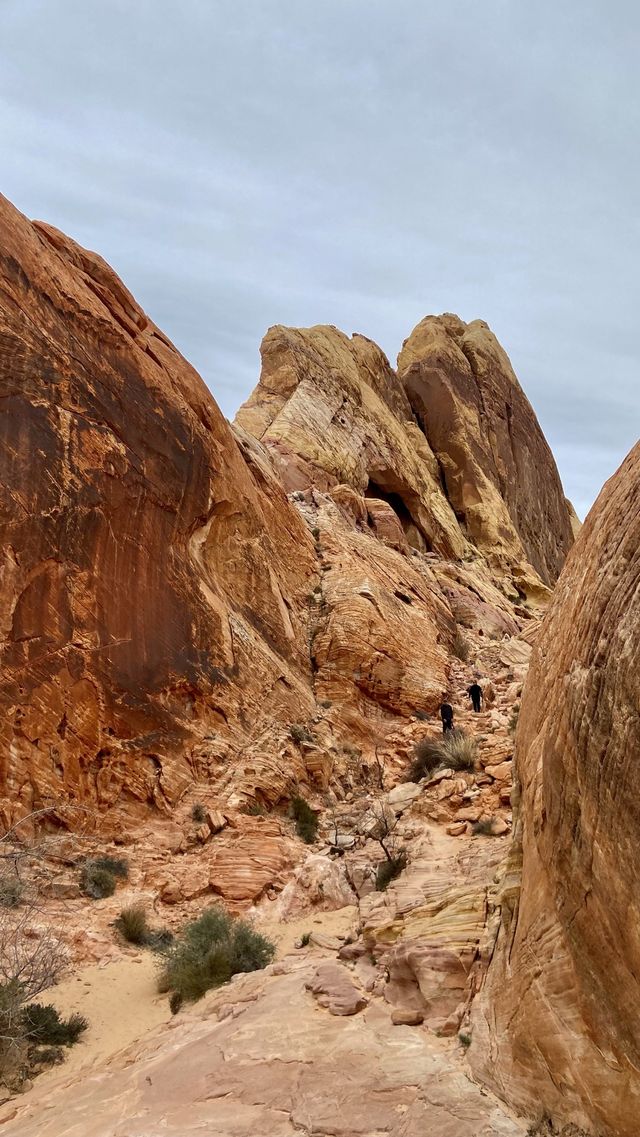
475 694
446 714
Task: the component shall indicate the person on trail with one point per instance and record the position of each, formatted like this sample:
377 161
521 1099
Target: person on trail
446 714
475 694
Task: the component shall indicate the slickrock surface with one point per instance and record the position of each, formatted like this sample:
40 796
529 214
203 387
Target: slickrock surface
500 475
557 1027
261 1058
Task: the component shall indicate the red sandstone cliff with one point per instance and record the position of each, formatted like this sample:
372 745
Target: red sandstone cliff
167 611
153 582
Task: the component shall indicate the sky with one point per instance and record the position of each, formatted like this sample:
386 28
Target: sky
353 162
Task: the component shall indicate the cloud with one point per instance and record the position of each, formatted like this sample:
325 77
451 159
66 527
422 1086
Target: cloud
353 162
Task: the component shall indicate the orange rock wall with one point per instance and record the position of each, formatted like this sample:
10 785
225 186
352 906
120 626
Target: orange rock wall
153 582
557 1026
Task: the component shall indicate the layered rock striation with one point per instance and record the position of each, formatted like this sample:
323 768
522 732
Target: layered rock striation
153 580
557 1027
188 602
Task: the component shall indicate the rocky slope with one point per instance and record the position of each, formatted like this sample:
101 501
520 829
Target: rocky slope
168 612
200 620
557 1026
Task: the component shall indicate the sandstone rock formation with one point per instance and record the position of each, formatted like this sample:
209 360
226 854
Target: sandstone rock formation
450 444
497 469
261 1058
557 1028
167 611
154 582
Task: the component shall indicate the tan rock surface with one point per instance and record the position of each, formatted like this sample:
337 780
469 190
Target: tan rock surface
499 472
259 1058
557 1027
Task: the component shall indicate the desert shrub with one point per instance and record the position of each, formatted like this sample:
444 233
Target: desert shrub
198 813
208 952
132 924
513 718
483 828
159 939
96 882
455 749
422 716
464 1039
326 703
305 939
117 866
315 532
459 750
133 927
49 1056
427 756
460 646
11 890
44 1024
390 869
305 818
299 733
175 1002
255 809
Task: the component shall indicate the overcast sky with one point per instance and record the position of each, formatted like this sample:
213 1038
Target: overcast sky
355 162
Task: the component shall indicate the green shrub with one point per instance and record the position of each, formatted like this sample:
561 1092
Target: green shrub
175 1002
390 869
96 882
208 952
44 1025
299 733
305 939
117 866
159 939
305 818
132 924
483 828
464 1039
11 890
198 813
256 809
460 646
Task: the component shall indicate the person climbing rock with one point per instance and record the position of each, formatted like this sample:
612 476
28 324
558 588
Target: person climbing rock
446 714
475 694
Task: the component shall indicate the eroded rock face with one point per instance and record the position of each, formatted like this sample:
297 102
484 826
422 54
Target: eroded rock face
557 1028
331 410
153 580
498 470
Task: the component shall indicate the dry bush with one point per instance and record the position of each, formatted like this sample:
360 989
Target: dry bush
427 756
389 869
460 646
483 828
459 750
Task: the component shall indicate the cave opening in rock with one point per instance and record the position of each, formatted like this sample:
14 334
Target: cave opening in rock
414 535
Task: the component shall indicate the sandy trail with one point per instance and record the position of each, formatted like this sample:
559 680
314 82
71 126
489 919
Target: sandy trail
121 1002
